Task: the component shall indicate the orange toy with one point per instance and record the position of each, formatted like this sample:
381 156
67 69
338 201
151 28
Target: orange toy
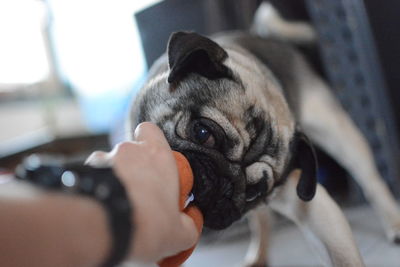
186 185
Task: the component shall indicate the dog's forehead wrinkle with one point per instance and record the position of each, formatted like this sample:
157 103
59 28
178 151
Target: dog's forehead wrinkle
257 76
201 88
221 119
182 120
240 57
254 118
269 139
242 60
160 111
252 74
268 147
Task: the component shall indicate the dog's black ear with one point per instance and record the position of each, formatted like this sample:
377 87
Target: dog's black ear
190 52
307 162
304 158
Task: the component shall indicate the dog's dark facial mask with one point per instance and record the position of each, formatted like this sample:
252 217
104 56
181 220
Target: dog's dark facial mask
227 116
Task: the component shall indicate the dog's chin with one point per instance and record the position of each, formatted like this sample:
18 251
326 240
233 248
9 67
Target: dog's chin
218 194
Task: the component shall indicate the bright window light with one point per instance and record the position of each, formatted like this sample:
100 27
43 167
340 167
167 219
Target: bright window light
98 44
22 51
99 53
95 47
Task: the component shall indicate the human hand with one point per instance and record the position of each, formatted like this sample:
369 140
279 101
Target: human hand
147 169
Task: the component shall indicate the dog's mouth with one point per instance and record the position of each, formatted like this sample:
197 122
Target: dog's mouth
255 193
219 189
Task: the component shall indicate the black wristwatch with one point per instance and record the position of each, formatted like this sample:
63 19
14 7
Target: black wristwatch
98 183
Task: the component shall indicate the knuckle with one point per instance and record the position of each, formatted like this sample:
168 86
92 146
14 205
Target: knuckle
124 147
146 124
154 149
124 151
161 154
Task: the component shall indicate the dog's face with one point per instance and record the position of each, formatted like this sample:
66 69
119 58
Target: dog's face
226 113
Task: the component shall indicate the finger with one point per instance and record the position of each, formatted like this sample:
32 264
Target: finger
99 159
149 132
188 233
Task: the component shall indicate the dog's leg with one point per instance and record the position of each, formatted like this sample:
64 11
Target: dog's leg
322 222
259 226
330 127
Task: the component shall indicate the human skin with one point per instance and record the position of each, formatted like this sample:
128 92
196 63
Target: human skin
39 228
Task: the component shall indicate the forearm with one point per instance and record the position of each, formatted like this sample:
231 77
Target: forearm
38 228
50 229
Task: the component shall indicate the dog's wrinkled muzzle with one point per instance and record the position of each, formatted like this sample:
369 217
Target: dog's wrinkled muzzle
219 190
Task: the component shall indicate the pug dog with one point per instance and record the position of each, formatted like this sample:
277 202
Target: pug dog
245 111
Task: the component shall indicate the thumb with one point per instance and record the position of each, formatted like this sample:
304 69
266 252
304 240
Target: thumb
192 224
188 234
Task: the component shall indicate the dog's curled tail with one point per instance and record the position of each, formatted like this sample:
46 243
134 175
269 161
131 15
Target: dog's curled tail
269 23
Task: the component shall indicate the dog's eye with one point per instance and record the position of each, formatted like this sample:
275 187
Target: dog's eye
203 135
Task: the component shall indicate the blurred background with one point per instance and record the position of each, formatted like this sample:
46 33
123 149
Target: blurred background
69 70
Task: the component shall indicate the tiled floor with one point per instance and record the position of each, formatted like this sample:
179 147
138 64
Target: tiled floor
290 249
